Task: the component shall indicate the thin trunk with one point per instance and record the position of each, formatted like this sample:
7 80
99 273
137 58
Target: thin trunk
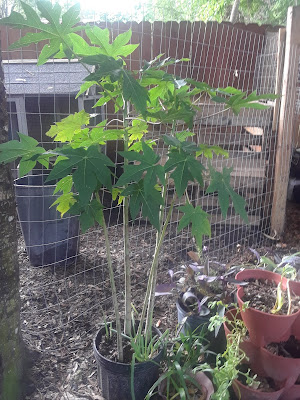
234 11
127 318
149 301
11 346
113 293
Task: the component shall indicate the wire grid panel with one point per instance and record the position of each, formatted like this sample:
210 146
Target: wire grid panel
58 297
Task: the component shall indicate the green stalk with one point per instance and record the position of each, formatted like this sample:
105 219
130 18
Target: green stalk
148 303
113 287
127 318
150 297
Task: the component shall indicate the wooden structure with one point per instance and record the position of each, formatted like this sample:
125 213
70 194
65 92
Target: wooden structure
286 123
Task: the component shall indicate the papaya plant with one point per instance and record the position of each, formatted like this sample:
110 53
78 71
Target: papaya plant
149 96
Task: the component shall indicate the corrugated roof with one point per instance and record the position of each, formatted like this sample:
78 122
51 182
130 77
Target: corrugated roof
51 78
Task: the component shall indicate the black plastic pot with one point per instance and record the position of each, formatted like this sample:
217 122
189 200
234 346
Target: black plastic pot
195 323
114 377
49 238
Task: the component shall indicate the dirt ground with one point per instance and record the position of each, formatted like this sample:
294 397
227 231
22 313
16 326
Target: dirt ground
62 307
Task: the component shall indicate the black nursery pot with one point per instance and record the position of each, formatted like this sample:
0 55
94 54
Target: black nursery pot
195 323
114 377
49 239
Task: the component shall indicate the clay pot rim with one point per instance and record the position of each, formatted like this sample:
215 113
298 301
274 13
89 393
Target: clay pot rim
275 316
236 381
263 348
241 289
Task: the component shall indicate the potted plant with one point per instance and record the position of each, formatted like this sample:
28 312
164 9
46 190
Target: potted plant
180 377
241 361
196 286
280 361
141 98
272 314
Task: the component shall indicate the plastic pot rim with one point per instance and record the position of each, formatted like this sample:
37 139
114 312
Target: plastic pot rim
189 313
35 186
118 363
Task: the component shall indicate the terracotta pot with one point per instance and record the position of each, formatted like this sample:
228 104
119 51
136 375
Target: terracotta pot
293 393
246 393
263 327
200 377
295 288
264 363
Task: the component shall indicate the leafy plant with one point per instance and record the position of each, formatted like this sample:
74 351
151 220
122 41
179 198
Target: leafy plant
227 367
184 353
287 267
149 96
199 284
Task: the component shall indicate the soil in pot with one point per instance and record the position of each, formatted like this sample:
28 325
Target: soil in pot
260 383
261 295
265 327
289 348
261 389
114 378
108 349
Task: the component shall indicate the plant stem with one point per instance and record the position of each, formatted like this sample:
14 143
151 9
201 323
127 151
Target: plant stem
289 297
150 291
113 287
127 318
149 299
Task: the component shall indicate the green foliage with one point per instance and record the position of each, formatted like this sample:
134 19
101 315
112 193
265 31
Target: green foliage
26 149
65 130
183 355
220 183
89 168
149 96
156 96
227 367
150 202
199 221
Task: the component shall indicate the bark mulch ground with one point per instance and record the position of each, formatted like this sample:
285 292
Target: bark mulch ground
62 307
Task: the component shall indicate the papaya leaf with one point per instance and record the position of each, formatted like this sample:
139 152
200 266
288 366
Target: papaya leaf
88 167
64 185
185 168
49 51
147 163
64 202
220 183
199 220
26 148
107 66
65 130
149 203
208 151
133 91
57 30
100 37
25 166
84 87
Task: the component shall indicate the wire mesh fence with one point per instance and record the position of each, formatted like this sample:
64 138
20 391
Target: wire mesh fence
58 297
